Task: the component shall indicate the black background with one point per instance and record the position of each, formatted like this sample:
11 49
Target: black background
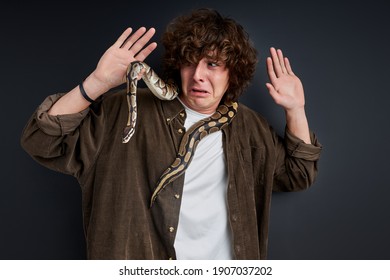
339 49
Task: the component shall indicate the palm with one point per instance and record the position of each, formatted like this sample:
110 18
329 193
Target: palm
112 66
285 88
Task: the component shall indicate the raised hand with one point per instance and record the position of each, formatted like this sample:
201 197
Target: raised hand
285 88
110 70
287 91
112 66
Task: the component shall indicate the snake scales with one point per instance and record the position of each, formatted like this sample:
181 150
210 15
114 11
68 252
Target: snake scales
168 91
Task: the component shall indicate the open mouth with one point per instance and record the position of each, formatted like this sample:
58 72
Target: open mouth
196 90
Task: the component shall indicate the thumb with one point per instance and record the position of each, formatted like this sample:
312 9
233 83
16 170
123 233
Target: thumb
272 91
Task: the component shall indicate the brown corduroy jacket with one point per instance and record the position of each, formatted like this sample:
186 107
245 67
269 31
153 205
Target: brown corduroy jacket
117 180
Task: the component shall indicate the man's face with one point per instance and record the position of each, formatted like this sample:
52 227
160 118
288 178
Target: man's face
203 85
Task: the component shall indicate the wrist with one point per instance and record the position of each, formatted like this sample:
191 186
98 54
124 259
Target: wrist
84 93
296 113
94 87
297 124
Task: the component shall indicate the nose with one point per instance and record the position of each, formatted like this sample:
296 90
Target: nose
200 71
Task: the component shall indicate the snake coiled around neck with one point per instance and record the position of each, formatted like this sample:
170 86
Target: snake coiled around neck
169 91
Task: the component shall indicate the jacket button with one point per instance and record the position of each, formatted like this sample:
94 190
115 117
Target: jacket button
182 114
180 130
171 229
177 196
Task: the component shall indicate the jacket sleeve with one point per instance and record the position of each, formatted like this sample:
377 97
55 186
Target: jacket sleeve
65 143
296 163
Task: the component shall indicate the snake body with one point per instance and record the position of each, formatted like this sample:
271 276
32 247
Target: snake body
168 91
221 118
162 90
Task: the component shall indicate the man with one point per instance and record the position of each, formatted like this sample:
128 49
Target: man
219 208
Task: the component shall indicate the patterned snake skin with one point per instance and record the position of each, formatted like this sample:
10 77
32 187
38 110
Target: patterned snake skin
168 91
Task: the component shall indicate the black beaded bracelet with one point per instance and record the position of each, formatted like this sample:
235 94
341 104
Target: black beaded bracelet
84 94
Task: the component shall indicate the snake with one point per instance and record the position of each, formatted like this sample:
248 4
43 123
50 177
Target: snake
162 90
222 117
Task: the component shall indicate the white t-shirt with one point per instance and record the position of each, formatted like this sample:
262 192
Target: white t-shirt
203 230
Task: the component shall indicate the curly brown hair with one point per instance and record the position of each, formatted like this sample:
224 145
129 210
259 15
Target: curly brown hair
189 38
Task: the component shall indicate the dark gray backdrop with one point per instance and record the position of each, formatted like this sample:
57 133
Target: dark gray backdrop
339 49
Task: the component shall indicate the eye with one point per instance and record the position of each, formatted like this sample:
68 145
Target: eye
213 63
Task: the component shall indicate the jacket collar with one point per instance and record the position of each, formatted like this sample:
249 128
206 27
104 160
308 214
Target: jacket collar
173 109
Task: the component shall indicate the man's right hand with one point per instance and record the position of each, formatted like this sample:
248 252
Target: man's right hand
111 68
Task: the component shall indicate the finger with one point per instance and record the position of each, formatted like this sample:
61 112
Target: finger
288 66
142 41
271 72
144 53
281 61
119 42
132 38
272 91
276 63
